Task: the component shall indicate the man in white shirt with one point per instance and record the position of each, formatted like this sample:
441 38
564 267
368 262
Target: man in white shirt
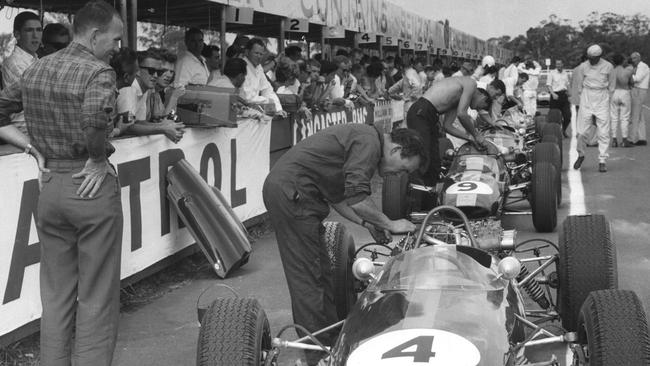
558 86
597 82
533 69
191 67
641 78
256 88
134 100
28 33
410 88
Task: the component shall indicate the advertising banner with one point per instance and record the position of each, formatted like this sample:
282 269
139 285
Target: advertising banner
235 160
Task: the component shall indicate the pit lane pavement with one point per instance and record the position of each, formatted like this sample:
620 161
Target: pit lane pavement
165 331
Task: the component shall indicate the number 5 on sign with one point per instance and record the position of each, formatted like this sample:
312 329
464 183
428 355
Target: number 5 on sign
366 38
296 25
239 15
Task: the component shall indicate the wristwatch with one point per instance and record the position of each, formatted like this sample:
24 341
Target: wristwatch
28 148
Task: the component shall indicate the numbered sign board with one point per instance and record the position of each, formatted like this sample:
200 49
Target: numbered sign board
296 25
389 41
366 38
334 32
420 47
407 45
239 15
411 347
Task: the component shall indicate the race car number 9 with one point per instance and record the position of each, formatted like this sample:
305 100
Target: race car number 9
469 187
416 347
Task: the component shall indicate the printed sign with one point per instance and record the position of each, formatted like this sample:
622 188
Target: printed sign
235 160
363 38
239 15
296 25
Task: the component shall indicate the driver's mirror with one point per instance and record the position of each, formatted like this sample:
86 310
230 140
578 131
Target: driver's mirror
363 269
509 268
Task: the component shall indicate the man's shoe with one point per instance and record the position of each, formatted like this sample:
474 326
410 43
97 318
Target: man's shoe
602 167
626 143
641 143
578 162
614 143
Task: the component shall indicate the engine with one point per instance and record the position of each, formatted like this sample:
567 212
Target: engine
489 234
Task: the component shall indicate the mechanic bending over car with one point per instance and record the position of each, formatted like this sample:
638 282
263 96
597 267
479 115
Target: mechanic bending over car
331 168
451 97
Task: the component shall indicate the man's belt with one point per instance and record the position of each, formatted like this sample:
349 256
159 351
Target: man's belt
61 166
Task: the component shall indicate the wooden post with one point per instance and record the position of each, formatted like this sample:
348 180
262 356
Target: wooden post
133 26
281 38
380 40
125 20
222 36
322 43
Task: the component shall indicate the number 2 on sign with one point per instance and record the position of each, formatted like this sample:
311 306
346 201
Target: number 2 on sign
422 353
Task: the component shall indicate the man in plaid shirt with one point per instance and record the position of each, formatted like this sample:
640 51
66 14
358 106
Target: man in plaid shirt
69 102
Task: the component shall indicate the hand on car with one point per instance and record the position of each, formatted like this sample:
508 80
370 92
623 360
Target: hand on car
93 173
381 236
480 142
401 226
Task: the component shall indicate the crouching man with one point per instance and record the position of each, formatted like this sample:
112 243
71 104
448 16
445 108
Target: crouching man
331 168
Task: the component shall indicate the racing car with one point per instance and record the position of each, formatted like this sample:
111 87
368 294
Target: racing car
445 297
522 162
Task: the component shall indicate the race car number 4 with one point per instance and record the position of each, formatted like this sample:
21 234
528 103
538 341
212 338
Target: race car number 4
416 347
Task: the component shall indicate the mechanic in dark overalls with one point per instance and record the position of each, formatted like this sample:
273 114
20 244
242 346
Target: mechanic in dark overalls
331 168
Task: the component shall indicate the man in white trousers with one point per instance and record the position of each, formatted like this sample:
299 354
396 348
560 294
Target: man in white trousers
641 79
596 83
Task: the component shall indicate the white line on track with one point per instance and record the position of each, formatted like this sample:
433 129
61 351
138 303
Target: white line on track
577 192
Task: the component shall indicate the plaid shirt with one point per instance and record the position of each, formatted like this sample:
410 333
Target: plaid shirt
62 94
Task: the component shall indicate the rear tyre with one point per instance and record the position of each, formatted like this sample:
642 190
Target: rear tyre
394 196
544 197
554 116
587 262
233 332
340 249
548 152
614 328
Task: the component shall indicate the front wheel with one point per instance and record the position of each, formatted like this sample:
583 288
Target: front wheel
614 330
233 332
340 249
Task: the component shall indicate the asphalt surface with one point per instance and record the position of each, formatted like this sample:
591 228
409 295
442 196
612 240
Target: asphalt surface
165 331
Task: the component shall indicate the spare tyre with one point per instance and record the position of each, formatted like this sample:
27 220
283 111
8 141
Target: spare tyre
340 249
587 262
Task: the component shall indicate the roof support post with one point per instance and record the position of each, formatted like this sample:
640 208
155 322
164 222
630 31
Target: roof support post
322 43
222 37
125 20
281 38
133 26
380 41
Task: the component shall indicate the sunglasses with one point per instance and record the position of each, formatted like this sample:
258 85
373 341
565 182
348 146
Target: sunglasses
152 71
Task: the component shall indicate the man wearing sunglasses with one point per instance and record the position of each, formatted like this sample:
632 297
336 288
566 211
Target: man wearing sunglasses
135 99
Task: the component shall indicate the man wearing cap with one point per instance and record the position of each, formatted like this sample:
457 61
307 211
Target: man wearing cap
641 78
596 82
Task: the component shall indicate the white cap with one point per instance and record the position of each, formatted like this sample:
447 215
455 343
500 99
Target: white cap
594 51
488 61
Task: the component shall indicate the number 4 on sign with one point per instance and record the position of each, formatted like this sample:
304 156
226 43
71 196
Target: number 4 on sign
366 38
